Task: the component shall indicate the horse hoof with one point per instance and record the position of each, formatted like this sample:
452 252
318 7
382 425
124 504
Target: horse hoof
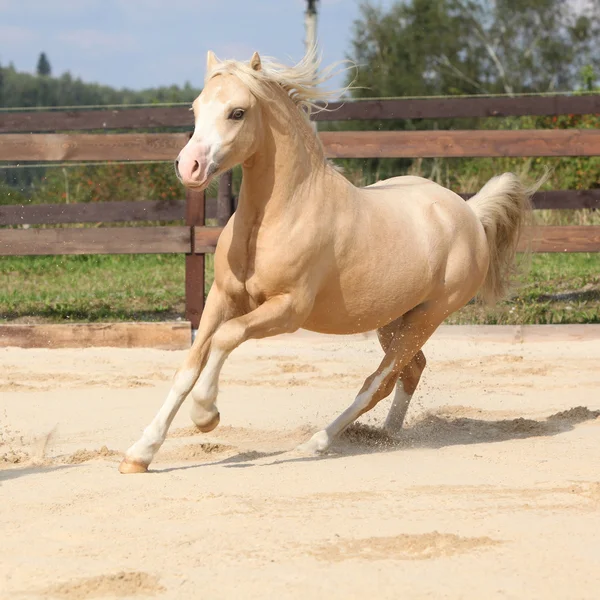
212 424
131 466
318 444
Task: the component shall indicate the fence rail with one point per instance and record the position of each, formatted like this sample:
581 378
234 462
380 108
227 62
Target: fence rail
35 136
203 240
370 110
337 144
174 210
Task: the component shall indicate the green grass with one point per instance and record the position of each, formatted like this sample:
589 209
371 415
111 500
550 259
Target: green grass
559 288
91 288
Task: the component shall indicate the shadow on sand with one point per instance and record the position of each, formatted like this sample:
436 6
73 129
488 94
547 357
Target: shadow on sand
16 472
431 431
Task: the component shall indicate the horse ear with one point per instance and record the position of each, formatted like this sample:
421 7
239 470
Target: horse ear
211 61
255 62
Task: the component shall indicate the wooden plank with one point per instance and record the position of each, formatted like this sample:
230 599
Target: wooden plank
90 146
105 240
561 199
400 108
443 108
338 144
567 199
206 239
107 119
194 263
158 240
584 238
92 212
562 238
163 336
456 144
551 238
174 210
99 212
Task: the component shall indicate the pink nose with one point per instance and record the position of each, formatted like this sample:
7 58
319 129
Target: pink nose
189 168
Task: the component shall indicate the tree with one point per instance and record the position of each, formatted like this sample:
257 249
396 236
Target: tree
426 47
43 65
449 47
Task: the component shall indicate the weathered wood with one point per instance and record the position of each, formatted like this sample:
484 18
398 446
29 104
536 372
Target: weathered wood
338 144
105 240
99 212
561 199
401 108
225 206
164 336
562 238
456 144
107 119
158 240
567 199
584 238
90 146
441 108
194 262
92 212
174 210
206 238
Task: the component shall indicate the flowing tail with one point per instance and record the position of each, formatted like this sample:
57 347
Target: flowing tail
503 205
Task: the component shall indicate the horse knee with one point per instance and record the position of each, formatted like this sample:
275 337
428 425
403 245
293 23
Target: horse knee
204 412
377 387
411 374
205 420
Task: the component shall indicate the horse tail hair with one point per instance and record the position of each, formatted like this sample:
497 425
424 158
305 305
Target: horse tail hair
503 206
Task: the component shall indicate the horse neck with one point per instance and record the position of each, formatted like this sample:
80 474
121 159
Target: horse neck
288 162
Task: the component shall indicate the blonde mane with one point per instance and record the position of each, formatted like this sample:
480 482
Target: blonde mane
300 81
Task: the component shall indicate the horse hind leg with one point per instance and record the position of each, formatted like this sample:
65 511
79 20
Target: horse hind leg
403 357
405 388
406 383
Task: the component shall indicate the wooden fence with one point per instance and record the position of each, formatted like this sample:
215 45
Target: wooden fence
44 136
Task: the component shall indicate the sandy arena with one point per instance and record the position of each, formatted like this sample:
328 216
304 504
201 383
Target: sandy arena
493 491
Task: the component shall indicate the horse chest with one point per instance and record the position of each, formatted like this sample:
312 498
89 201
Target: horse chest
252 278
257 266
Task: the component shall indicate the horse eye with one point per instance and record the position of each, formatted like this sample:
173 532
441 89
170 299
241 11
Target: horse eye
237 114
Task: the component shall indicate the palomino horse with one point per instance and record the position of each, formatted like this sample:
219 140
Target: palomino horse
307 249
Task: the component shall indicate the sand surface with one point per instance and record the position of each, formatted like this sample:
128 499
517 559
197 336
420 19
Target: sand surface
493 491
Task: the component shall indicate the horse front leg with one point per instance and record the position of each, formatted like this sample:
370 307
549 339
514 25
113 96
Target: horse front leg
282 314
139 456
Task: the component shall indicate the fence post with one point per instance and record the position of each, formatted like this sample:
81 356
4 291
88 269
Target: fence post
194 263
225 206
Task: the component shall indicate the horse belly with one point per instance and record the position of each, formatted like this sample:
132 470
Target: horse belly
367 308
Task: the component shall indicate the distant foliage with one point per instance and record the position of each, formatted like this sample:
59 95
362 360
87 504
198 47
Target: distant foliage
25 90
106 183
456 47
84 184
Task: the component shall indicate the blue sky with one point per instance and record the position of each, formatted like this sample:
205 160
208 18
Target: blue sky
145 43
